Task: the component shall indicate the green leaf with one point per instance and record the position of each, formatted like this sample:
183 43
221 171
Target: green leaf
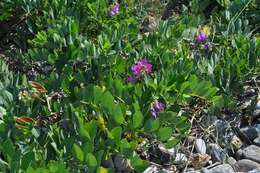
95 95
84 132
8 148
218 101
117 115
2 112
7 96
172 143
91 160
35 132
27 159
91 127
164 133
152 124
189 33
109 135
117 132
88 147
118 86
99 156
138 164
78 152
107 100
137 119
125 147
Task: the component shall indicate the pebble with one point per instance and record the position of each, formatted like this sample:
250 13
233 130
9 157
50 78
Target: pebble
257 126
200 146
231 161
257 106
168 170
204 170
246 105
156 169
224 168
257 170
160 155
256 113
172 151
121 163
108 163
216 152
250 132
193 172
245 165
151 169
251 152
257 141
180 159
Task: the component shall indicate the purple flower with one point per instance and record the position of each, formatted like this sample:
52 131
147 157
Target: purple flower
206 46
142 67
156 108
131 79
113 10
201 37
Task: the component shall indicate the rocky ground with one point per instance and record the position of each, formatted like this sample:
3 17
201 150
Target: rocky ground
217 144
227 143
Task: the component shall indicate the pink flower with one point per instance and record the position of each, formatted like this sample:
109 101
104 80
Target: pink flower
142 67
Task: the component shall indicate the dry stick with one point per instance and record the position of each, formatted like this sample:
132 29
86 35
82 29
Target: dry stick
213 165
189 156
192 119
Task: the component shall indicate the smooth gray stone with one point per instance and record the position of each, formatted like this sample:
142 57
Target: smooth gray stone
216 152
250 132
151 169
180 159
200 146
224 168
257 141
257 170
121 163
245 165
251 152
231 161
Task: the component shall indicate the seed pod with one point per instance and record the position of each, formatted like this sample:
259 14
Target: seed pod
101 123
38 87
24 120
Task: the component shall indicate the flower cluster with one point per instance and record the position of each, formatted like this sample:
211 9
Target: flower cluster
202 36
139 69
113 10
156 108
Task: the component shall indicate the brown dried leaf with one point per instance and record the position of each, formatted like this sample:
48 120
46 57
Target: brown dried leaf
199 160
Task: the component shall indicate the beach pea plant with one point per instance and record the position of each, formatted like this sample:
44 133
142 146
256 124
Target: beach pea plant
110 87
